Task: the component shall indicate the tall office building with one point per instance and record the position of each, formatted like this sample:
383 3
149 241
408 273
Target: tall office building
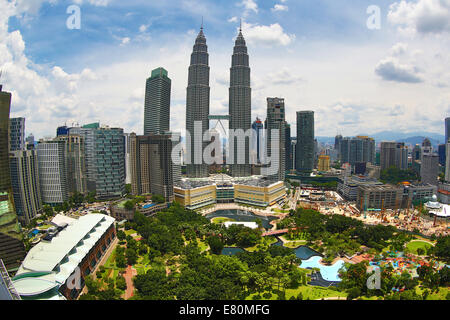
29 142
337 141
240 103
53 171
258 128
357 150
288 147
276 120
105 159
429 170
127 158
447 162
417 153
304 157
394 154
427 148
442 154
151 165
197 107
157 102
447 129
12 250
75 162
26 184
17 134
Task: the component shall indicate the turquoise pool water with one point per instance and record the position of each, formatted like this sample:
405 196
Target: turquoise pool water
329 273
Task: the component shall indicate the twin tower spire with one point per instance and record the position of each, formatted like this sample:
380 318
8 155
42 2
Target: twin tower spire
198 103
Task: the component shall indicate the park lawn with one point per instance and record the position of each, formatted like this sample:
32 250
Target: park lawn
266 241
295 244
280 211
308 293
414 245
130 232
220 220
441 295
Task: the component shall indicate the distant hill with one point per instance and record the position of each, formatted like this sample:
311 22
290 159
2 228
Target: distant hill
412 138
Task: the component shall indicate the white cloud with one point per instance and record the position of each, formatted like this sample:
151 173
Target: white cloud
390 69
280 7
420 16
249 5
272 35
97 3
233 19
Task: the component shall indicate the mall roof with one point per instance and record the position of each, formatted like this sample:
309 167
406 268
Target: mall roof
220 179
81 235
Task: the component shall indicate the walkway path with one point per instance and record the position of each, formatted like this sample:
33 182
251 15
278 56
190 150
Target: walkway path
129 274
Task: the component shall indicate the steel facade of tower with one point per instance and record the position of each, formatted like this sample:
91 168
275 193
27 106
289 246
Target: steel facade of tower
240 106
157 103
197 107
276 121
304 158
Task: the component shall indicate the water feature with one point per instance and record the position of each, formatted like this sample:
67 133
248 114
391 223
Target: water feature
329 273
227 251
305 253
242 216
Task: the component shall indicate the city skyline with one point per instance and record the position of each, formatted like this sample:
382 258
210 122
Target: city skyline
77 82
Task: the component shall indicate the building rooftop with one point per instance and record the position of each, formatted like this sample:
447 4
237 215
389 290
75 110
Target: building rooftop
223 179
68 248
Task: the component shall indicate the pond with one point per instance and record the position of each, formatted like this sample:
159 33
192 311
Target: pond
242 216
305 253
231 251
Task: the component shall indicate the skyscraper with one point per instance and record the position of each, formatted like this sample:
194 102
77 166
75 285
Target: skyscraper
442 154
288 147
53 171
26 184
429 169
258 126
197 107
304 158
357 150
447 129
11 247
240 107
75 161
447 162
393 154
17 134
105 159
152 168
157 103
276 121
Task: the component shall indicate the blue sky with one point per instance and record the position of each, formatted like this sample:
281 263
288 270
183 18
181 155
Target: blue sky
317 54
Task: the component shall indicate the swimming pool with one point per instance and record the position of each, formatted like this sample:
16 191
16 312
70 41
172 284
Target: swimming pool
329 273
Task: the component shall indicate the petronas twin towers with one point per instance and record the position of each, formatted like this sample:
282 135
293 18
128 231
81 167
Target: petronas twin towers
197 108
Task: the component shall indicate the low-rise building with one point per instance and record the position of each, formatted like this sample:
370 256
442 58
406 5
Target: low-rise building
379 197
255 190
56 267
348 186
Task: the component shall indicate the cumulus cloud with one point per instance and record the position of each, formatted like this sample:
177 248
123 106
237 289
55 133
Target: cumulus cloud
272 35
393 69
390 69
249 6
280 7
421 16
97 3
